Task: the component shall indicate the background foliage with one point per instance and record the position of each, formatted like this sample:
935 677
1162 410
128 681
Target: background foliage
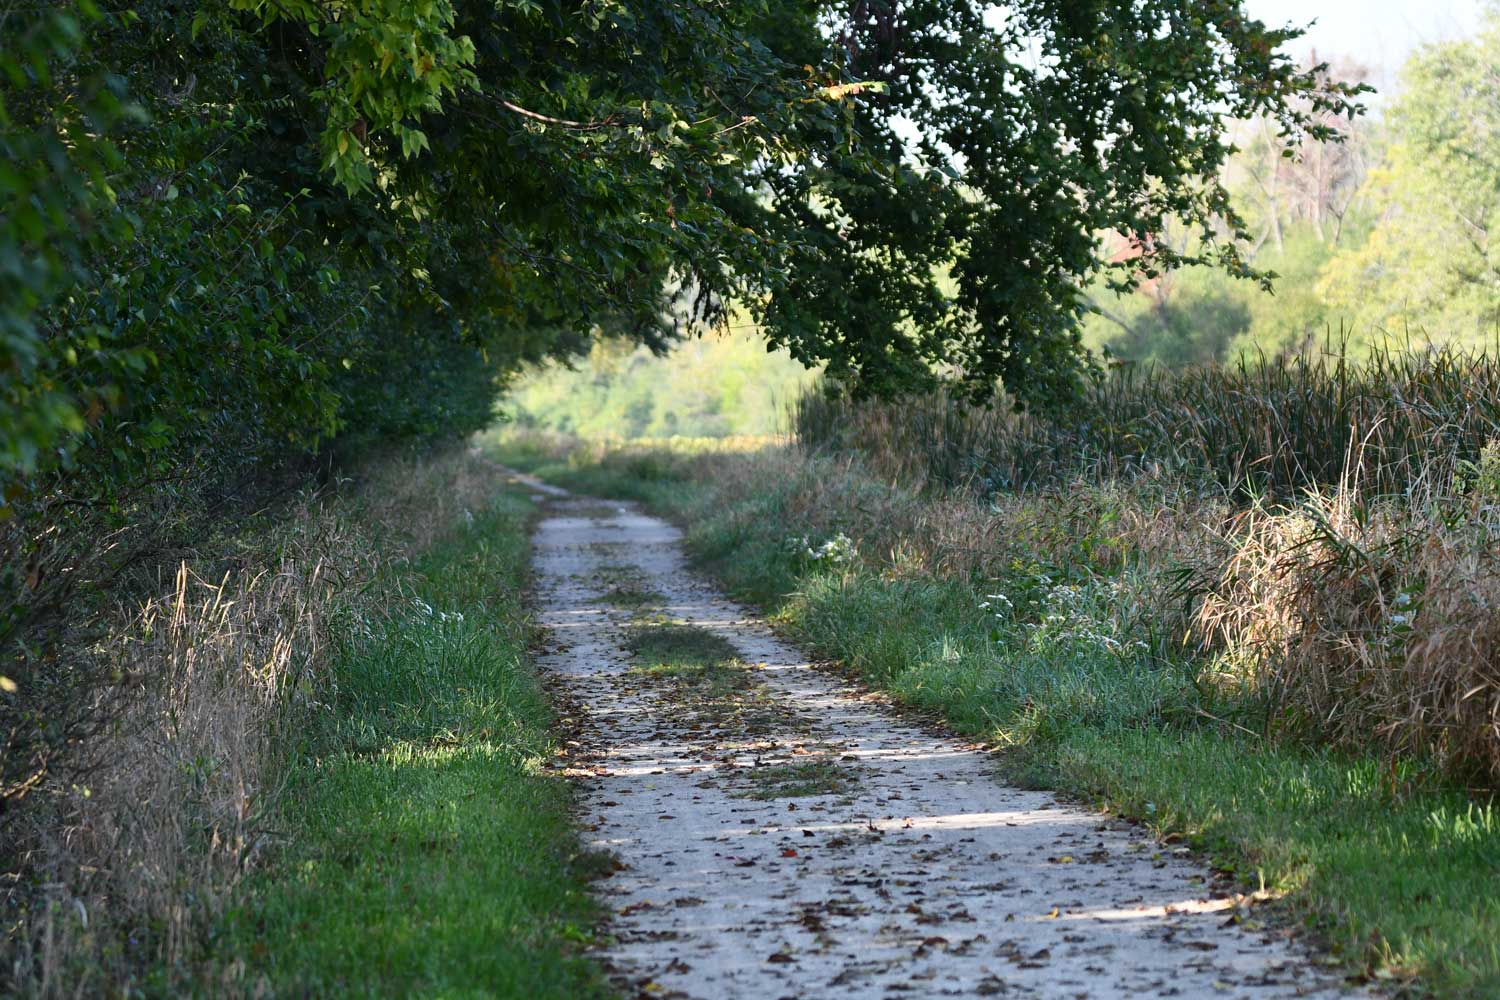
1381 239
716 386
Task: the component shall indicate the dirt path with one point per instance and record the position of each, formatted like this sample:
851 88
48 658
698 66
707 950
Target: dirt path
780 833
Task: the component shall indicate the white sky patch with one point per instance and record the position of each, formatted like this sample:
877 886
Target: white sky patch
1379 34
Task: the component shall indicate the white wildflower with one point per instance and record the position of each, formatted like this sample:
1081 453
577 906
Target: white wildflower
836 551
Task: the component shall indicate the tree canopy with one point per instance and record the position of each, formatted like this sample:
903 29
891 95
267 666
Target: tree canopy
237 227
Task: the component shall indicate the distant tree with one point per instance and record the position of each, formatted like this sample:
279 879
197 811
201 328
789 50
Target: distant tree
1278 184
1431 264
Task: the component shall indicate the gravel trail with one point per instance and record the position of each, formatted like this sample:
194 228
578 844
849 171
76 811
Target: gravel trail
808 842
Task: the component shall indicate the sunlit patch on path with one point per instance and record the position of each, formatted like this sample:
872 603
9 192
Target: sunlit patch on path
826 847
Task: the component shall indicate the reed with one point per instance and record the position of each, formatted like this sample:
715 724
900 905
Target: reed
1393 423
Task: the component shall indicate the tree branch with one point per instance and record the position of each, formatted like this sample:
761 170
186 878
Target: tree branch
561 122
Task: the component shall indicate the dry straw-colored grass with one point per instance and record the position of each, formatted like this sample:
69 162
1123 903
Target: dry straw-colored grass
120 873
1371 625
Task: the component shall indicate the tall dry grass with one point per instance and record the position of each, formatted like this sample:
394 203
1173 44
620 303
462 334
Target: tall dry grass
123 855
1371 624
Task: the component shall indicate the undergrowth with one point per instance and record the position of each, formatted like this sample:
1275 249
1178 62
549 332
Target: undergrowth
428 851
290 711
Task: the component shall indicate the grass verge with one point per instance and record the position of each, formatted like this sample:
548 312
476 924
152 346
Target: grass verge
425 851
1391 864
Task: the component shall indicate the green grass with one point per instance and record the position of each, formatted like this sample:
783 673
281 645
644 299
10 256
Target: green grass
631 598
702 670
1393 868
648 477
623 586
424 849
818 776
671 649
702 673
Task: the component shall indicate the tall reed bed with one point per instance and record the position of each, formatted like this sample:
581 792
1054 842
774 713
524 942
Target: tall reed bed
125 851
1389 424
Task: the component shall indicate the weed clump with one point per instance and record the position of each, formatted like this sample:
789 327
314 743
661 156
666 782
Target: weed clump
1370 624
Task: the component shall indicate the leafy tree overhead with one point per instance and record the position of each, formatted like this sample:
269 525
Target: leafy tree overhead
235 227
450 187
1037 130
